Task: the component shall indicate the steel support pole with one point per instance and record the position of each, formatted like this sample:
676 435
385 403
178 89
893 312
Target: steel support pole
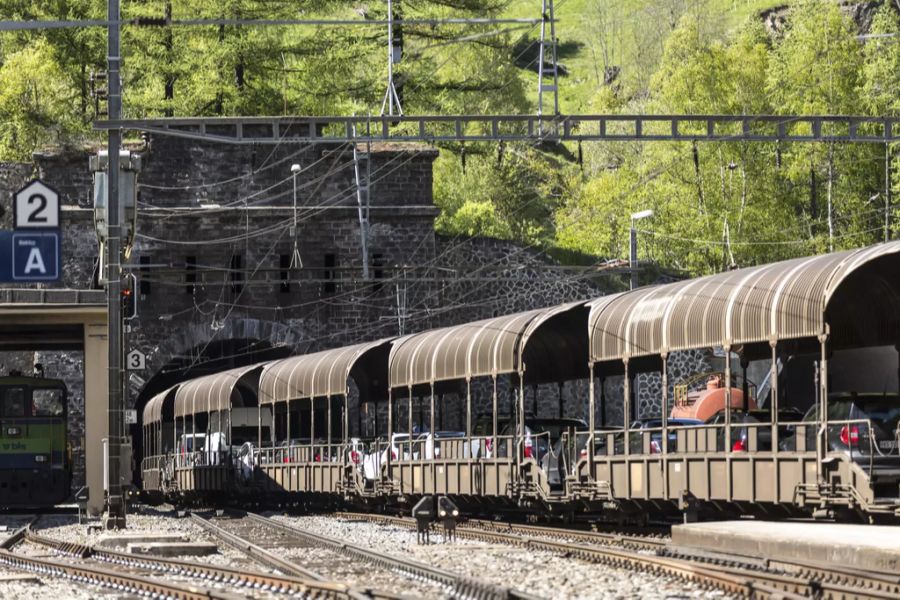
888 205
591 409
773 395
626 409
115 516
632 257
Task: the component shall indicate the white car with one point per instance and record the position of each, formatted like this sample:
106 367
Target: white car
374 459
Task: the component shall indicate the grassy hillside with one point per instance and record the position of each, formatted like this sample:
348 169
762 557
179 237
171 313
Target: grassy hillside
596 35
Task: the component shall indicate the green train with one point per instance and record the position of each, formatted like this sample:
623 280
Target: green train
35 460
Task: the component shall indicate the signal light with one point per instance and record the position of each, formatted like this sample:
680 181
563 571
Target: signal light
129 297
739 446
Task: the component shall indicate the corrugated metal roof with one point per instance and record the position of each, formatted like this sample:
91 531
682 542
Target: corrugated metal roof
488 347
311 375
154 407
210 392
785 300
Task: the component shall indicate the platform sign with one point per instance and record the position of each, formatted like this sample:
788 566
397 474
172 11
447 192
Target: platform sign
29 256
36 206
136 361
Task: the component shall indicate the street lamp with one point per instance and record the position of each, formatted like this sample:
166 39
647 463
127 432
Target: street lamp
632 262
296 262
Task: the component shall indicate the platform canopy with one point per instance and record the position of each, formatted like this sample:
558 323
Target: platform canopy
490 347
153 410
780 301
317 375
215 392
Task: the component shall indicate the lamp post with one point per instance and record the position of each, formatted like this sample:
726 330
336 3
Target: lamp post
296 262
632 261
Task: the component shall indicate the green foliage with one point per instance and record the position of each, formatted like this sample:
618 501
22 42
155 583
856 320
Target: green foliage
720 204
716 204
35 102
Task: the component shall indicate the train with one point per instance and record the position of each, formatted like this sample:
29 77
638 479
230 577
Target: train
35 457
769 391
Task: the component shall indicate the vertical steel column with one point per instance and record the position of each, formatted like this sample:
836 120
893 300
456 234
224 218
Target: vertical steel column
328 430
287 426
115 517
823 398
773 417
632 256
362 201
590 441
547 17
495 449
664 415
888 204
626 408
434 443
664 441
409 418
312 428
520 429
773 395
727 398
390 426
469 415
390 95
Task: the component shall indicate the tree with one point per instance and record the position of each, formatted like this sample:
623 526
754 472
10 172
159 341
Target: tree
35 102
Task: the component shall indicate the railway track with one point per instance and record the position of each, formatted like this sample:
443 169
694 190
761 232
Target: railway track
450 583
124 572
233 577
746 576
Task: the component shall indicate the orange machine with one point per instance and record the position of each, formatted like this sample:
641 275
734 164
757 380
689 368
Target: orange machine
705 402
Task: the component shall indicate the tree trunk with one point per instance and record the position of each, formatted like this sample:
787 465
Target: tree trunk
168 44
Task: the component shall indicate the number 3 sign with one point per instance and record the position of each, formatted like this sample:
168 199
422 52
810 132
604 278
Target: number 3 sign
36 206
136 361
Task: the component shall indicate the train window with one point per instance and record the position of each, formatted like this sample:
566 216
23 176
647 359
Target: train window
47 402
14 402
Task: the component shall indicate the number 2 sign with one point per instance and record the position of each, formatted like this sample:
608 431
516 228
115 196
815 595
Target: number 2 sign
36 206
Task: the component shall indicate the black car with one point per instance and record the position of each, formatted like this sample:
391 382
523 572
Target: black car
876 445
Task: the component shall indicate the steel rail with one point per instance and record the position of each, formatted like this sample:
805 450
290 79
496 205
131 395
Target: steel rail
17 536
732 579
826 580
263 581
591 537
121 582
257 553
834 581
461 586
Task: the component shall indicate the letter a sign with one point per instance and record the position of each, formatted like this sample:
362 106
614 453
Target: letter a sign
35 256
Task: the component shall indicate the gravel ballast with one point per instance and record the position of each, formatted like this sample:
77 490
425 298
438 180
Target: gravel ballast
539 573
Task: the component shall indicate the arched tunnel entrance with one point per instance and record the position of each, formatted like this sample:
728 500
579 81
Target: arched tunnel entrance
212 357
